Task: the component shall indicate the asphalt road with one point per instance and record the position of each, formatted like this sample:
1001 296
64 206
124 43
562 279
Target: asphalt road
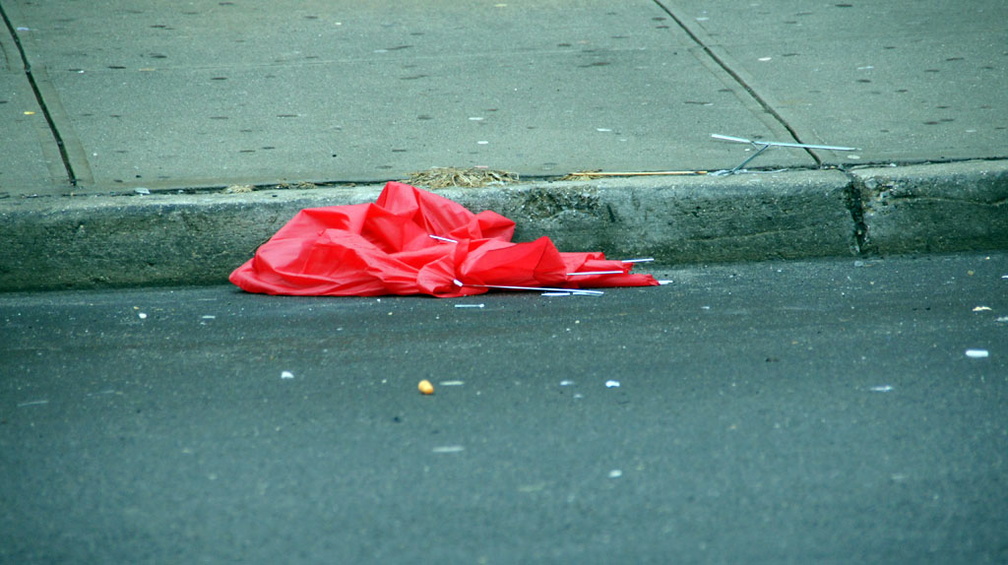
822 411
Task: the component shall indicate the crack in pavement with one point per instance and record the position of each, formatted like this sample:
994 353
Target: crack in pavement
769 109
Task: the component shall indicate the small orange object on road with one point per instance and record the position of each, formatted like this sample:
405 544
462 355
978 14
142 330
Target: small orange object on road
426 387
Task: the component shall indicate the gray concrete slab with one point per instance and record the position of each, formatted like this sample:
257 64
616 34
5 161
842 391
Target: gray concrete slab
29 159
904 83
259 92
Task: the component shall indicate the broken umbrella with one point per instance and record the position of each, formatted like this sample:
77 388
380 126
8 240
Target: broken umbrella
410 241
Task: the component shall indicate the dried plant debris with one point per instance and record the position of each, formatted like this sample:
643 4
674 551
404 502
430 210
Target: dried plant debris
299 185
445 177
239 189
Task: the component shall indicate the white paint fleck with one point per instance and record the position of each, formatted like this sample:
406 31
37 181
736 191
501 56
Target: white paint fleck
977 353
612 384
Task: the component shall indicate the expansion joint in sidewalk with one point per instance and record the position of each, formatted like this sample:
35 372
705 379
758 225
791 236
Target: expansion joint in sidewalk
737 78
50 122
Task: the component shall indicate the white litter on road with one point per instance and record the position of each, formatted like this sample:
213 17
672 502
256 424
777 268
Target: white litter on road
977 353
612 384
882 388
286 375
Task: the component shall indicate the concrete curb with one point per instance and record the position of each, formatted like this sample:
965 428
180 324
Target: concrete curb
177 239
934 208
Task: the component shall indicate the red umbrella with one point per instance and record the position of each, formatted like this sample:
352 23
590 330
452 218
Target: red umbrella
414 242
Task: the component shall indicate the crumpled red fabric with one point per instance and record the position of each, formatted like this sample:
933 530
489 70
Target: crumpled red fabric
410 241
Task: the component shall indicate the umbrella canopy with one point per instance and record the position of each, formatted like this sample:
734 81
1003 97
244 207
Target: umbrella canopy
410 241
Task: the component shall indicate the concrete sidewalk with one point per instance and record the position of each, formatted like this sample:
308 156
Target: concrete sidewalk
104 100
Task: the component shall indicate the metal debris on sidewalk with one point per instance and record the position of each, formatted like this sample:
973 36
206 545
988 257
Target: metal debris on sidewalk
763 146
589 175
